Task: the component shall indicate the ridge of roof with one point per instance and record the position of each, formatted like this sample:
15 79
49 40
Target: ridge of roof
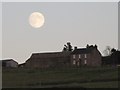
51 53
6 60
82 50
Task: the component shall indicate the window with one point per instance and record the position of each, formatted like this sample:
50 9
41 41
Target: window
78 63
79 56
73 56
85 62
74 62
85 55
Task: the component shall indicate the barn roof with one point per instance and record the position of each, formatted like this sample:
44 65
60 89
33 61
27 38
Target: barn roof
50 54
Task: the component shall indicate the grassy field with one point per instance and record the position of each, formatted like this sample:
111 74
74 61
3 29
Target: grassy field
84 77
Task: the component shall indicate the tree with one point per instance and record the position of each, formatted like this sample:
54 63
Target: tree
68 47
113 50
107 51
65 48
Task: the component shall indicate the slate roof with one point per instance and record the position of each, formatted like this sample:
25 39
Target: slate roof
50 54
82 50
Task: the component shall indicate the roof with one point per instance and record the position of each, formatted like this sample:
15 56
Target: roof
50 54
7 60
82 50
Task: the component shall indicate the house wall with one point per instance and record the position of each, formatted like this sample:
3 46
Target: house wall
88 59
92 59
48 60
96 58
81 59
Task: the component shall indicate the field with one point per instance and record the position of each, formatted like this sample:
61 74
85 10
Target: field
84 77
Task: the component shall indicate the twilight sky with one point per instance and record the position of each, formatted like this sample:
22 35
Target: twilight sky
81 23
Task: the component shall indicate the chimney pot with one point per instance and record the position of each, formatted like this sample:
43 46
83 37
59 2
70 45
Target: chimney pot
75 48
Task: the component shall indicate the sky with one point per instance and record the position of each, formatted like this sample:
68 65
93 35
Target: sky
80 23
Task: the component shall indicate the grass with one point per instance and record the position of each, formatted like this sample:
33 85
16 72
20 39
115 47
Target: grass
87 77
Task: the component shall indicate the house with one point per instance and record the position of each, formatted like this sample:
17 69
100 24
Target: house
9 63
49 60
89 56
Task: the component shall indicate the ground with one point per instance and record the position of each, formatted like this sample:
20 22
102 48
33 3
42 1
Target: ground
83 77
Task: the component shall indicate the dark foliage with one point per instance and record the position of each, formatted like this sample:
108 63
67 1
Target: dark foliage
113 59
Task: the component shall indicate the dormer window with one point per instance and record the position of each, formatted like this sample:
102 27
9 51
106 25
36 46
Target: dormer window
85 55
73 56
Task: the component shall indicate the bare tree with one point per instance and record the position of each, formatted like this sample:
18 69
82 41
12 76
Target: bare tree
107 51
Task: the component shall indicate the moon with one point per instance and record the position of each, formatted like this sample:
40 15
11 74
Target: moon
36 20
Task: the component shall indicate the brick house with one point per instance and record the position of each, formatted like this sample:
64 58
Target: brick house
89 56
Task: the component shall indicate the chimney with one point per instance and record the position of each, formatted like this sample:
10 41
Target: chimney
75 48
95 46
87 46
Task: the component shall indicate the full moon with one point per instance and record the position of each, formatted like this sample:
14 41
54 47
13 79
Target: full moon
36 20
